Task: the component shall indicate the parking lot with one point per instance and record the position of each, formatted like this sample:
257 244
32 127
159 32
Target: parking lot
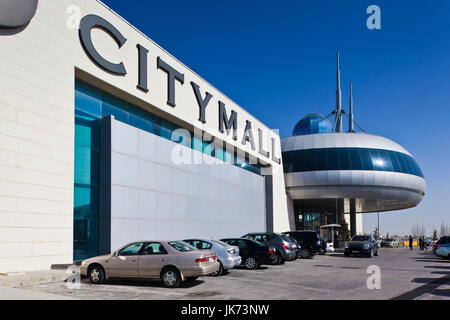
404 273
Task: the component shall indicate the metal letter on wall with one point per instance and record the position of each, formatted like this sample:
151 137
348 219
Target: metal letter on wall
248 135
223 119
143 68
202 103
172 75
90 22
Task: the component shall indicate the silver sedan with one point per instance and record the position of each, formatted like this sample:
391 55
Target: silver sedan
228 256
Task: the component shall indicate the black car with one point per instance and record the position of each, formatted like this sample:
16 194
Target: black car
308 240
441 240
252 252
301 253
285 250
366 245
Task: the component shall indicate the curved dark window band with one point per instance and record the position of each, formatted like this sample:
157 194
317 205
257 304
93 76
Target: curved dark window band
349 159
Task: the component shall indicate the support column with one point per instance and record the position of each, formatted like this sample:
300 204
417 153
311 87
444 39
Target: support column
340 211
352 217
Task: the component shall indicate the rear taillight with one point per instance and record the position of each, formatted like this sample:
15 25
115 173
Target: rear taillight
294 246
284 246
271 251
205 259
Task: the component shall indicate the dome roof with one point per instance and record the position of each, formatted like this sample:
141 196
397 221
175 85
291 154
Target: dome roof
312 123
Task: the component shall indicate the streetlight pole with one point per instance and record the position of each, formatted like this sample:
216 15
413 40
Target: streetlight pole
378 228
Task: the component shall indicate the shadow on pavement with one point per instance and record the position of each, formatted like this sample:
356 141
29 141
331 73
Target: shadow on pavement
430 284
437 267
441 292
146 283
431 260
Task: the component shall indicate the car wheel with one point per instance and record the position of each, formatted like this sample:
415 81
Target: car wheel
171 278
219 272
251 263
96 274
346 254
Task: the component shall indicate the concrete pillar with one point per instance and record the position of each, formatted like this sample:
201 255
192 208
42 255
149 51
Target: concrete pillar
352 217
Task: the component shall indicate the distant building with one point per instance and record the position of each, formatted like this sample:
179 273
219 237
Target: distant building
332 175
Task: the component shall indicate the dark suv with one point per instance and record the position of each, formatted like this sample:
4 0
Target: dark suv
284 247
308 240
366 245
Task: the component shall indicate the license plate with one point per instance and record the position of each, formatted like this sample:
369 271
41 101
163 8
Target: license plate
355 251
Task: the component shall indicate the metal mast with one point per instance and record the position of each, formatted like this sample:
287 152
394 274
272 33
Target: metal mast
350 118
338 112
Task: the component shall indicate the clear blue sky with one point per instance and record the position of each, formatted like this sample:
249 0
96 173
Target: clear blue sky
277 60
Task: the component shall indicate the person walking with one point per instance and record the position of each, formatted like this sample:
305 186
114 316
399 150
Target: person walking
424 244
410 242
420 243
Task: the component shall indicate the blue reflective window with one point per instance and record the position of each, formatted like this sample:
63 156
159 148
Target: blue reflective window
355 160
366 159
349 159
395 162
344 160
333 160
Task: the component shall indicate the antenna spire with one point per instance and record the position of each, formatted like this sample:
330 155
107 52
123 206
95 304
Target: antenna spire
350 118
338 111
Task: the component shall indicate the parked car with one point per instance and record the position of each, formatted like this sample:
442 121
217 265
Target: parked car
366 245
390 243
443 250
285 250
253 253
228 256
301 253
308 239
170 261
441 240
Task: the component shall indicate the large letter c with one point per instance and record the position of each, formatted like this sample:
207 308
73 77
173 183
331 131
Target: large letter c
90 22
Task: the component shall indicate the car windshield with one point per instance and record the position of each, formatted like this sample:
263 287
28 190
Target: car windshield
389 240
182 246
361 238
221 243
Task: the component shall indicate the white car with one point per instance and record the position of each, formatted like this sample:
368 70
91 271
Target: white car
330 247
228 256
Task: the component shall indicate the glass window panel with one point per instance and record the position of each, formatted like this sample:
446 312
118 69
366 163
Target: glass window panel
333 160
377 161
87 101
384 155
394 160
355 159
403 163
366 159
139 122
344 160
111 109
307 160
320 159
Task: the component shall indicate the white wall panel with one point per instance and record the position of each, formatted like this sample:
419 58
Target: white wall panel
162 200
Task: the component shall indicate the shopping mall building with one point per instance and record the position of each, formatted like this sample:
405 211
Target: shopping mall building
106 138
